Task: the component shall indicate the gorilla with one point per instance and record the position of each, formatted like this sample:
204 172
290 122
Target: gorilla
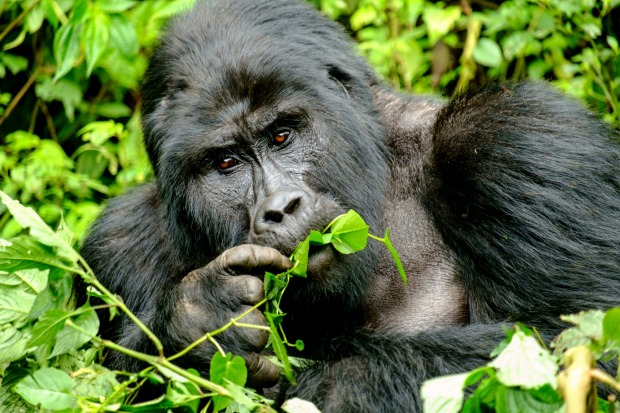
261 124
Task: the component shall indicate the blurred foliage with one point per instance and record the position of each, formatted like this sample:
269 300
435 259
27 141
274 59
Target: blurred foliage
69 70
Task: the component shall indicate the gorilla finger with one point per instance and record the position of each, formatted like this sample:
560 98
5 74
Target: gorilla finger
247 288
253 259
261 372
254 337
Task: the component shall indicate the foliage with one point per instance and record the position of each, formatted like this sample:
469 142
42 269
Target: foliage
422 45
69 112
524 375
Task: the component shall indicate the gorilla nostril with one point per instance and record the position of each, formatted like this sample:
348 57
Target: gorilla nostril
274 217
292 206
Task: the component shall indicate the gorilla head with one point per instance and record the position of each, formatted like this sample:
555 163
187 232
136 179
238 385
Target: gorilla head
259 132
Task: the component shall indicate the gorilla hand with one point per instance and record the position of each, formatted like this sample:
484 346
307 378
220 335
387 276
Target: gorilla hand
226 288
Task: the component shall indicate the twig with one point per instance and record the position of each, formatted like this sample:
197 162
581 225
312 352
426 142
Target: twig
612 403
17 20
19 95
49 120
604 378
209 336
575 381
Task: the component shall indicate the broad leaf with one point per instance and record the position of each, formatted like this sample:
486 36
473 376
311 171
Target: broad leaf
278 344
14 304
48 326
300 258
39 230
48 387
12 344
96 36
444 394
66 48
349 233
525 363
24 253
226 369
611 325
69 339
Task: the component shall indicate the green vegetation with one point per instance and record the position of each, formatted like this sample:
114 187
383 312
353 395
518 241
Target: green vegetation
70 135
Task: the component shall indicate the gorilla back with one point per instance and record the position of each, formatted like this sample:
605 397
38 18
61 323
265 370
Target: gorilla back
262 124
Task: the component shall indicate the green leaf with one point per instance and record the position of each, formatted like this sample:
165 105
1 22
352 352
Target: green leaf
24 253
525 363
316 238
243 397
226 369
12 344
273 285
96 382
27 218
349 233
508 400
66 48
115 6
31 280
444 394
14 63
395 257
439 20
300 258
588 329
10 402
51 388
69 339
47 328
14 304
278 345
488 53
123 36
95 36
611 325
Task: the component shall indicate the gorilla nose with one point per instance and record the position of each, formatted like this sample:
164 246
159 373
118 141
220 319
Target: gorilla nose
275 209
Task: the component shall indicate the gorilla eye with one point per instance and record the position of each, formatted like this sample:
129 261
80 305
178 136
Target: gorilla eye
226 162
281 137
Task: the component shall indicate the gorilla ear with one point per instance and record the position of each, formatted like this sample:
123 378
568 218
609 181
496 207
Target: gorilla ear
340 77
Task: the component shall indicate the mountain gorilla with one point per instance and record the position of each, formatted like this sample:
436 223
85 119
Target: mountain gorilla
262 123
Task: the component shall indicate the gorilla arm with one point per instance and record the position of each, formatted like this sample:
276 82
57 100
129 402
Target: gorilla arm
131 254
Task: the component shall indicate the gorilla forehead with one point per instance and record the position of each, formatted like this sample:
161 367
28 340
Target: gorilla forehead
248 37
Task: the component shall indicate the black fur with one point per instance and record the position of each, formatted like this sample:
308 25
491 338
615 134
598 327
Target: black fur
504 204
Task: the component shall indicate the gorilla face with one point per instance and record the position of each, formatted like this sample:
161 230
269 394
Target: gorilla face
255 138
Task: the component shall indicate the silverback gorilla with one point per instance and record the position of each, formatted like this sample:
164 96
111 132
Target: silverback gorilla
261 123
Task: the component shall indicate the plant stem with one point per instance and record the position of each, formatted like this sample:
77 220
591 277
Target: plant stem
90 278
209 336
17 20
602 377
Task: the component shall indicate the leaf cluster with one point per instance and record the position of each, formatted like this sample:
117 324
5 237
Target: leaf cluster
525 376
421 45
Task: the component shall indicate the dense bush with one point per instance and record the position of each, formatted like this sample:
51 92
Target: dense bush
70 135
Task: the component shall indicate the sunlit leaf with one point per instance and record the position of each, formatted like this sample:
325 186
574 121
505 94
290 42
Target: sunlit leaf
49 387
69 339
225 369
525 363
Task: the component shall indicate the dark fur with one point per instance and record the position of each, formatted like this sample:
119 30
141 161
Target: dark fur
505 205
